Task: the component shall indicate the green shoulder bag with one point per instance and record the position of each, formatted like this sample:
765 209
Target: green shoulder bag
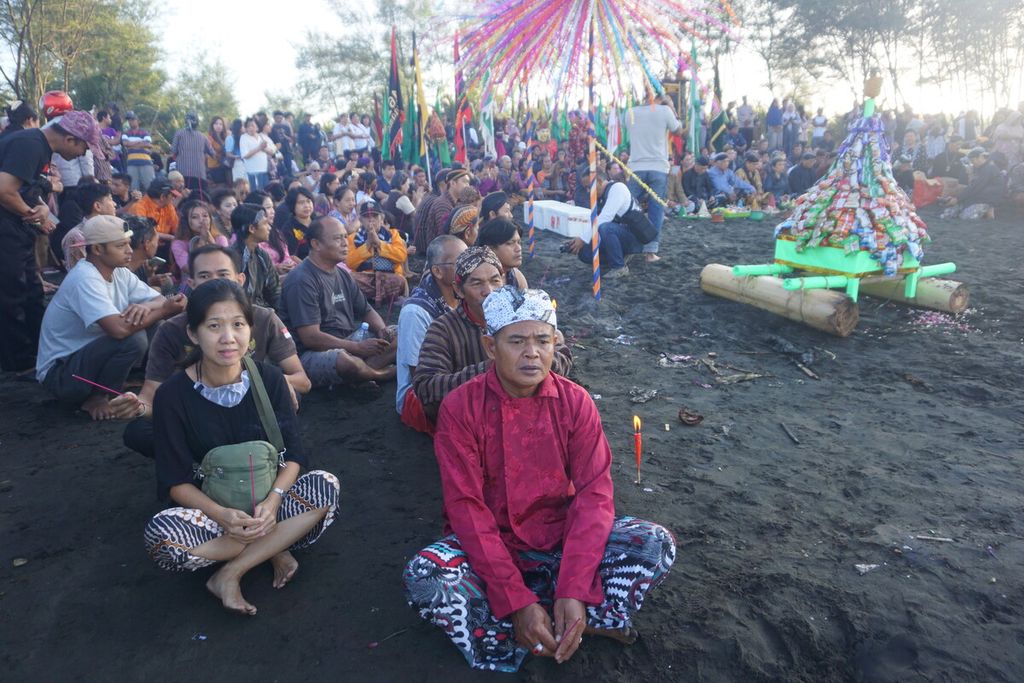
240 476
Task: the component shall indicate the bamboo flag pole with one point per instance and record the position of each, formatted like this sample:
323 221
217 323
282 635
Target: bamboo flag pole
595 236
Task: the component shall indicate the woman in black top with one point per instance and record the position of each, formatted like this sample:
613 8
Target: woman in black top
505 240
209 404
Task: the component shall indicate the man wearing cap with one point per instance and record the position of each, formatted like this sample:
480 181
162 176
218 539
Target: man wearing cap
322 306
137 144
535 557
434 297
95 326
986 189
377 255
698 188
25 156
158 204
452 352
803 175
649 126
725 182
190 147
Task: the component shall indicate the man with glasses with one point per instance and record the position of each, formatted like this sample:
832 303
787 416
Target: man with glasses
434 297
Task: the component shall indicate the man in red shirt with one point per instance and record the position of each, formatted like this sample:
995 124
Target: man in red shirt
535 557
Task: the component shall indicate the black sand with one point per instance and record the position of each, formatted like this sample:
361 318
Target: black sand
910 431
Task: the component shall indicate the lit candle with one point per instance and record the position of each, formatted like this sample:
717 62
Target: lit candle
637 444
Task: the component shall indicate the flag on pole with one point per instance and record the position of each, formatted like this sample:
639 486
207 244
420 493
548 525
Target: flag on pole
693 142
614 131
395 110
487 122
421 100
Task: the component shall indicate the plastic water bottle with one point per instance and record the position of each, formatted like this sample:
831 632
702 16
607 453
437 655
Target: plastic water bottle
361 334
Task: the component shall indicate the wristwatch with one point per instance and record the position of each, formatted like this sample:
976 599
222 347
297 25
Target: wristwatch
279 491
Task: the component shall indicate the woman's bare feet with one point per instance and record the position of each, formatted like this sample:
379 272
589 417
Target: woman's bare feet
285 566
652 258
229 593
626 636
98 407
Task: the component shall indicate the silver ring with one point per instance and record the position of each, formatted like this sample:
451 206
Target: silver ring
538 648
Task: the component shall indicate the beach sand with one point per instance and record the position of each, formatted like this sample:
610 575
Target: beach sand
913 429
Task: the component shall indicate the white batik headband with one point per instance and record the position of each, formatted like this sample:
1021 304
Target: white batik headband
511 305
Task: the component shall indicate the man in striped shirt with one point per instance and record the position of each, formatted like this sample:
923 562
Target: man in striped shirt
137 143
190 149
452 352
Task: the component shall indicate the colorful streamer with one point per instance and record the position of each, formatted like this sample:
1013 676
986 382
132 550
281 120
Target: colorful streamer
547 41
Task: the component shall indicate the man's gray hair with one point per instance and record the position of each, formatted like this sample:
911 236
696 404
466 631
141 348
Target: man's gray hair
435 250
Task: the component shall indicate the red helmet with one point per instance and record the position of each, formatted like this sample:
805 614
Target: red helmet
55 103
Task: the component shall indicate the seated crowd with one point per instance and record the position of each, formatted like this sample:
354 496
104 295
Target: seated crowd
238 283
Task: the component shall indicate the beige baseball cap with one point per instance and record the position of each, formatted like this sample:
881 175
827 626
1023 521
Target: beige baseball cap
104 229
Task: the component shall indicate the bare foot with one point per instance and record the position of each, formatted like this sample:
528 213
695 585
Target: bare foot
98 407
229 593
652 258
626 636
285 566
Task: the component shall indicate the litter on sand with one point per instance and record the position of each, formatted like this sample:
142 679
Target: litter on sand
863 569
624 339
638 395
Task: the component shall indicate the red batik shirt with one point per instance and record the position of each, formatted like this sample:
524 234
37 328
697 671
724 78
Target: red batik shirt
526 474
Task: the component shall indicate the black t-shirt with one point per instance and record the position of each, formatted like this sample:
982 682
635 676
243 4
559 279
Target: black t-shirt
186 426
25 155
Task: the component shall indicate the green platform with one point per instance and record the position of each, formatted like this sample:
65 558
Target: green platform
832 268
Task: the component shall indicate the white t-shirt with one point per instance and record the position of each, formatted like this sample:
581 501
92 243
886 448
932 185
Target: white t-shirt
70 322
344 143
819 124
617 202
648 143
259 162
360 136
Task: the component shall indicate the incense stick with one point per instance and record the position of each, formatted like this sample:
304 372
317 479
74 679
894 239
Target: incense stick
252 485
98 386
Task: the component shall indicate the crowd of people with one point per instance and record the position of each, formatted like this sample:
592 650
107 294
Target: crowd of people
251 263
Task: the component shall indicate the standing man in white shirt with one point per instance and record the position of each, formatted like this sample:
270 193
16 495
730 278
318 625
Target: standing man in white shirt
649 126
95 327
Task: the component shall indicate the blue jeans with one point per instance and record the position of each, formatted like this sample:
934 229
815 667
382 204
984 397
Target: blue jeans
257 181
657 181
617 242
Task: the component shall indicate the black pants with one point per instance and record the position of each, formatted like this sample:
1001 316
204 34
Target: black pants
200 188
21 297
105 360
138 436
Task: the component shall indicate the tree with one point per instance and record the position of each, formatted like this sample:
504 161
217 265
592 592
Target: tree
207 89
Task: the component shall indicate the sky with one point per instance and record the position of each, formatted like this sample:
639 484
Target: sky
257 46
270 66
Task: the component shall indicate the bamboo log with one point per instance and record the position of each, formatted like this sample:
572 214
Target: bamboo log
948 296
821 309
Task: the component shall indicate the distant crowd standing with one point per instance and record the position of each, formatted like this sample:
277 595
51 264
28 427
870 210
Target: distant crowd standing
251 262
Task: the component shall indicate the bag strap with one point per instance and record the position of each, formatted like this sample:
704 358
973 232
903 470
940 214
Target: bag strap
263 406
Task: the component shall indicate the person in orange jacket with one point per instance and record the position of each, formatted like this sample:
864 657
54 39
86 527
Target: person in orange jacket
377 256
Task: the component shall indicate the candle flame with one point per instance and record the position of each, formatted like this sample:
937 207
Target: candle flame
554 304
636 423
